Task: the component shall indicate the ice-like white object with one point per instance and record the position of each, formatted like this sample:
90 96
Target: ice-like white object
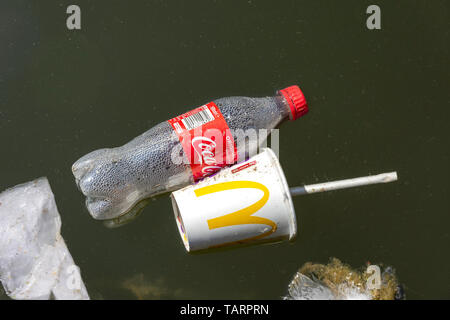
34 260
303 288
338 281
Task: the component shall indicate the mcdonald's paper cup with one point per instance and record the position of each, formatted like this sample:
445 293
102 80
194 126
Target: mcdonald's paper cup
244 204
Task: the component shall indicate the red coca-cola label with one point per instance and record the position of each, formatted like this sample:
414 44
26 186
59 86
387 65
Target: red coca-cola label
206 139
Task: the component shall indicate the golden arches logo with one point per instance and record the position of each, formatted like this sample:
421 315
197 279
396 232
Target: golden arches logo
243 216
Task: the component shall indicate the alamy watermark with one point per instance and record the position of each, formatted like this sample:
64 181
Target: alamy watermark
211 149
73 21
73 280
374 280
373 22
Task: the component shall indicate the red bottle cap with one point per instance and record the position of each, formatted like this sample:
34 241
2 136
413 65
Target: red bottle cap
296 100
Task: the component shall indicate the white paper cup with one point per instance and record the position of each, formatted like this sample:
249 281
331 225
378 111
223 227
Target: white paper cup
245 204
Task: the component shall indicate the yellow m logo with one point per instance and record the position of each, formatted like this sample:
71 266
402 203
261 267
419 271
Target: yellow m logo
243 216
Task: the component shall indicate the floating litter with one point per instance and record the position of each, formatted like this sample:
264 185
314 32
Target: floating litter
247 203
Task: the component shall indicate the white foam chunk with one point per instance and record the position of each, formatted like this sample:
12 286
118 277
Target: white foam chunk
34 260
303 288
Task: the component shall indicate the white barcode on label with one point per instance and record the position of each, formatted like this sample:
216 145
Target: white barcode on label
198 119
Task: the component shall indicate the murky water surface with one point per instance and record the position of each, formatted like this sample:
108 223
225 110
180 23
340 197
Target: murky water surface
379 101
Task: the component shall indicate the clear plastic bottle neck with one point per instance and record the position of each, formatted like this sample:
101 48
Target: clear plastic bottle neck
283 106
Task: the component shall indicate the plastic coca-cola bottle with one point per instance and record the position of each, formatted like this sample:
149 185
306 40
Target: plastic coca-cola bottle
177 152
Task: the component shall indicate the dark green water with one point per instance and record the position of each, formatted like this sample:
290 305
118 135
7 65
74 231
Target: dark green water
379 101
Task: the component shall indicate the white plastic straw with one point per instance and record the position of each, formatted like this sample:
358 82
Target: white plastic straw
343 184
